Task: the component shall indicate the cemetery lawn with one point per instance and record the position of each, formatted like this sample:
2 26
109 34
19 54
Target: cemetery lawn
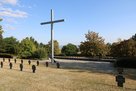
53 79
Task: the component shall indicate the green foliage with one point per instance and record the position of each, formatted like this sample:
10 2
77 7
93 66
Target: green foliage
40 53
25 55
94 45
27 48
1 31
30 48
10 45
69 50
57 50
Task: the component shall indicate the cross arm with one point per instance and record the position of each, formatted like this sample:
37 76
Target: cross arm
56 21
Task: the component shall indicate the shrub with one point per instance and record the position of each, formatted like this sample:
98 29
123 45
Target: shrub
25 55
40 53
5 55
129 62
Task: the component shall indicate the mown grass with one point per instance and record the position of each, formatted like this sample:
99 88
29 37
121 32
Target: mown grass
53 79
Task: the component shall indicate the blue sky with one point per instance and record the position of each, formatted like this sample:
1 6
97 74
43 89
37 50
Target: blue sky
112 19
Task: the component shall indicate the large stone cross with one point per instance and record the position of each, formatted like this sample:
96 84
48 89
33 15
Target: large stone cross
52 42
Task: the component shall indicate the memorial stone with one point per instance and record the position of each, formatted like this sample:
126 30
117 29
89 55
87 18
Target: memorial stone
58 65
22 61
37 63
33 68
10 65
1 64
15 60
120 79
47 64
21 67
29 62
9 60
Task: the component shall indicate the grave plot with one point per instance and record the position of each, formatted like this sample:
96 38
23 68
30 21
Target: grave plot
19 64
53 79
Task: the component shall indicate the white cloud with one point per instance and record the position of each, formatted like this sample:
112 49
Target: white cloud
12 2
7 27
11 20
10 28
12 13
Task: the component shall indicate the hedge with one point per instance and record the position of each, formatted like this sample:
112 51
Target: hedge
5 55
129 62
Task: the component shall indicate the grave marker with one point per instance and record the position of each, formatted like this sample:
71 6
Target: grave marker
29 62
9 60
46 64
37 63
22 61
33 68
120 79
58 65
1 64
21 67
15 60
10 65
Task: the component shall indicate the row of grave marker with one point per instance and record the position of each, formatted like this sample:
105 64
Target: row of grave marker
15 60
29 62
20 65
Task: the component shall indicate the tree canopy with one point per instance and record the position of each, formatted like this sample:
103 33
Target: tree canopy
94 45
1 31
125 48
69 49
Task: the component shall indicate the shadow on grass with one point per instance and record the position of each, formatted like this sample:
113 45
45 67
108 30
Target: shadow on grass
93 67
115 86
98 67
17 70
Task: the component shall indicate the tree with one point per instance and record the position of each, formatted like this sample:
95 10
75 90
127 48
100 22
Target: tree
40 53
10 45
27 48
93 46
126 48
108 49
57 50
34 41
1 31
1 39
69 49
134 37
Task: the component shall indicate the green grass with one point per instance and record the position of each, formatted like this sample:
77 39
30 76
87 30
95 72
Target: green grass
53 79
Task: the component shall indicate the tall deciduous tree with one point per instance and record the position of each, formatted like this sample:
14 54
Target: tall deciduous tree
94 45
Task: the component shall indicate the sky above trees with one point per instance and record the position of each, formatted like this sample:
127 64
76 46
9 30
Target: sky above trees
112 19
